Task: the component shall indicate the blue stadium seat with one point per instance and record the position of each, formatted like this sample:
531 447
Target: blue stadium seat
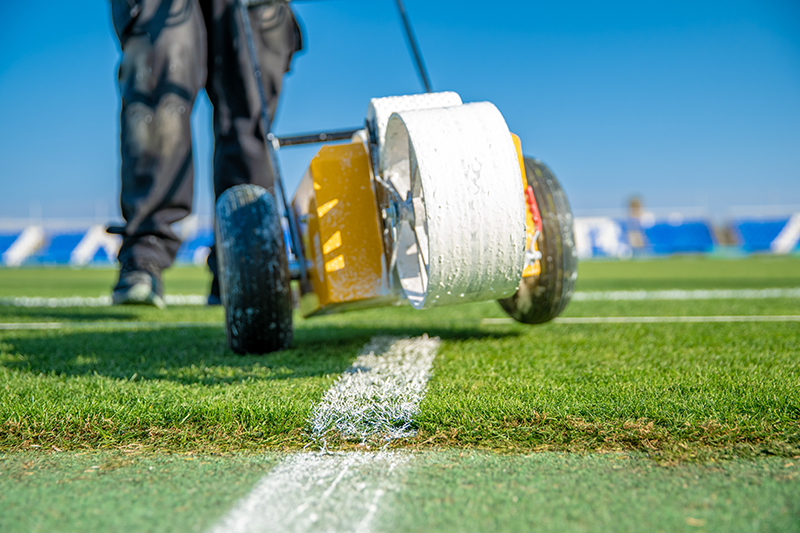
757 235
686 237
58 248
101 257
203 238
7 239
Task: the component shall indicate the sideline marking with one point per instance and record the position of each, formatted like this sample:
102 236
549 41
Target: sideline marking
319 491
106 325
714 294
580 296
654 319
100 301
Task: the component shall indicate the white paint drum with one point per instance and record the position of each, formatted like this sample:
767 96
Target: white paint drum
464 240
381 109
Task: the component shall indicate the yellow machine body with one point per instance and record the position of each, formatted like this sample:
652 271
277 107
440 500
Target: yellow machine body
530 225
341 233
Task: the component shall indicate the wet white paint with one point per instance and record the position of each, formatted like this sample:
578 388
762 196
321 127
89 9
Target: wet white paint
379 395
380 110
466 238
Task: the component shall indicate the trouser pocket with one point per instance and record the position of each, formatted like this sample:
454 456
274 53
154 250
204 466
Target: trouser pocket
123 14
279 30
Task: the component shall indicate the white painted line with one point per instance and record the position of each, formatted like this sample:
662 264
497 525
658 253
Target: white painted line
377 397
654 319
106 325
100 301
580 296
30 325
317 492
379 394
715 294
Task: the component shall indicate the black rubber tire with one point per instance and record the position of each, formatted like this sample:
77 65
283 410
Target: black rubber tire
253 271
542 298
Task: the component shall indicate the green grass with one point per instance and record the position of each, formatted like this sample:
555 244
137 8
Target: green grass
546 492
679 389
59 282
122 491
699 272
692 272
169 389
669 390
438 491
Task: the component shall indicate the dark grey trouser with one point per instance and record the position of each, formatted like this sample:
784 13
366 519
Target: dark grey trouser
170 50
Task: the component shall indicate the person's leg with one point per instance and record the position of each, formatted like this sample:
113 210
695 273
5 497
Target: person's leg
162 68
239 153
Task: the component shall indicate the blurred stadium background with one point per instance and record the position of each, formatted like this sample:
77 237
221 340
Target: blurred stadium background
615 233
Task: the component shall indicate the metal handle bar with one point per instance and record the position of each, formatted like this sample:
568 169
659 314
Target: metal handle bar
266 125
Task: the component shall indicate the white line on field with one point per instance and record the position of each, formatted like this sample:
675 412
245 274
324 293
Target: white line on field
715 294
100 301
580 296
375 398
106 325
654 319
317 492
379 394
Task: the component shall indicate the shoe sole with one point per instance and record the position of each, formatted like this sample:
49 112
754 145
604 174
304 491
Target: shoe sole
138 295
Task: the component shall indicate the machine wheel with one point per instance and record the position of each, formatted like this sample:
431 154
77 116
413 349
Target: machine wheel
542 298
253 271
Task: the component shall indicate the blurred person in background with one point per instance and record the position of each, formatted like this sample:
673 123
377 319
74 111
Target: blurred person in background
170 50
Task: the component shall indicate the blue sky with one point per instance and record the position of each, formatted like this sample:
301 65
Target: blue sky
687 103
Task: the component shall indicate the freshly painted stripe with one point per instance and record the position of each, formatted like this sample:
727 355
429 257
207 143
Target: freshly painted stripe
715 294
655 319
317 492
99 301
379 395
106 325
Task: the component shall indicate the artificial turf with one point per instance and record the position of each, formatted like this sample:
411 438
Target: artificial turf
436 491
556 492
58 282
675 391
122 490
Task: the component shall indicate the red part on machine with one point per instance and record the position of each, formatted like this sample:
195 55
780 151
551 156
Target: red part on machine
530 200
